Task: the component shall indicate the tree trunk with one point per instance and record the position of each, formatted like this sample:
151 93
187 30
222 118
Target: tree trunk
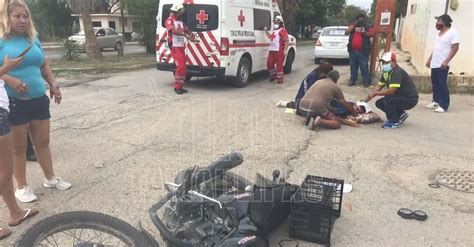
92 49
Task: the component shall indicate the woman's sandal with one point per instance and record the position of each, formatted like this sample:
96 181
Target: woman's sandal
29 213
4 233
416 215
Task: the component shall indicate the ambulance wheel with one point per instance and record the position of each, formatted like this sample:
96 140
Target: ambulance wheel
243 73
289 62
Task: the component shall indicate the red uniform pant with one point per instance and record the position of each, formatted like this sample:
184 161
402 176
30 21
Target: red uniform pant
179 56
276 57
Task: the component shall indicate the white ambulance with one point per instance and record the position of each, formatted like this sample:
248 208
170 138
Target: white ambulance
231 38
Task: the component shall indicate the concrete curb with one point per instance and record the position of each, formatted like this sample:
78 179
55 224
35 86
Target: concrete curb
105 70
58 46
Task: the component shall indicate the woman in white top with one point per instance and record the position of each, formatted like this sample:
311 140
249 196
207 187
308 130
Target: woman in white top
17 215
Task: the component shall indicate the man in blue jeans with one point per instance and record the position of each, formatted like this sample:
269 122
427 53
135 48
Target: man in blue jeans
359 48
445 48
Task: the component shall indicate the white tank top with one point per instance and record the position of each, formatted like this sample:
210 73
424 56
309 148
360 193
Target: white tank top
275 43
3 96
178 41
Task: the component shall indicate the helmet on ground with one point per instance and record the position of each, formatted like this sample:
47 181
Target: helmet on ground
177 7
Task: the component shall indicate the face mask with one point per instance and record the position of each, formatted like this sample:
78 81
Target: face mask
386 68
276 26
439 26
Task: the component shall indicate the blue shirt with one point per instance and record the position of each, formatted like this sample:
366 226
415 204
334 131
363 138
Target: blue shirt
307 82
29 71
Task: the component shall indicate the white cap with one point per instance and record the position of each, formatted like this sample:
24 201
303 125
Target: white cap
365 105
388 57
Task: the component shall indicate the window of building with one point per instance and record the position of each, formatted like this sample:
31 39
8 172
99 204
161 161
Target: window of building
97 24
112 25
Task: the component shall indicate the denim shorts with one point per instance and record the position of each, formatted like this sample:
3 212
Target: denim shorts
5 127
25 111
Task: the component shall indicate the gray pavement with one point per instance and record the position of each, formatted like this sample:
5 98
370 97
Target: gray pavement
118 139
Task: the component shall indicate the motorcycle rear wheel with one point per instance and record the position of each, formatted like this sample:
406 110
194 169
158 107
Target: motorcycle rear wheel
81 229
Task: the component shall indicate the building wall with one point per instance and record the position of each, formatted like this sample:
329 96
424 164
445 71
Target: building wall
419 33
118 26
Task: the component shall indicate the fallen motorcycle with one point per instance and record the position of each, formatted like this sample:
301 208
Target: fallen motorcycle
208 206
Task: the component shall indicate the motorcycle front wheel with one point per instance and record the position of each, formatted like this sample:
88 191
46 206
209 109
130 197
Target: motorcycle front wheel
81 229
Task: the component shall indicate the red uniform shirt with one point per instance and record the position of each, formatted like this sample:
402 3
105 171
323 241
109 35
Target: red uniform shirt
169 24
283 38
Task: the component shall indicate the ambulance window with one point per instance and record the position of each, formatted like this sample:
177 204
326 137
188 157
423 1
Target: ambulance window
165 14
261 19
198 17
201 17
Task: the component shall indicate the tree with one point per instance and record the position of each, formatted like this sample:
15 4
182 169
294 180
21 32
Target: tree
147 9
85 7
52 18
313 13
352 11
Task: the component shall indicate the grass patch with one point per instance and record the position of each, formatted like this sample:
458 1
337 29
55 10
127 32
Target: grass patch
108 64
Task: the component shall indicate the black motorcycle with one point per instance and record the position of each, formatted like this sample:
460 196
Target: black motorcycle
208 206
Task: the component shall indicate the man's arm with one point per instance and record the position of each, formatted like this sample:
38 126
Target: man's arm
428 62
350 28
348 107
452 53
369 33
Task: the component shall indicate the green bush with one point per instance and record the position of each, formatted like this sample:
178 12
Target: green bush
71 51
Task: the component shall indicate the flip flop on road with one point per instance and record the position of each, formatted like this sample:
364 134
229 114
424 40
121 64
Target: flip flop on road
4 233
29 213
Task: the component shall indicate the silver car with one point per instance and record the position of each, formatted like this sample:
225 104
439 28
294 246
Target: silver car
106 38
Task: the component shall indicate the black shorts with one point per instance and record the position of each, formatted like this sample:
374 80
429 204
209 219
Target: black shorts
4 124
25 111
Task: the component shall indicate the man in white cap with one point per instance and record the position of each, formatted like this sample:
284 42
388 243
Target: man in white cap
177 32
398 89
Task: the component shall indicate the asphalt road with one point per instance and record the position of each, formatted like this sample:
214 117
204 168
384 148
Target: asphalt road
118 139
128 49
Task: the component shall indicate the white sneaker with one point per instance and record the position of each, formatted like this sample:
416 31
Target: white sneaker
25 194
432 105
56 182
440 110
282 103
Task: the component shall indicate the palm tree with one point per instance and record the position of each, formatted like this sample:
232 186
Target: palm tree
85 7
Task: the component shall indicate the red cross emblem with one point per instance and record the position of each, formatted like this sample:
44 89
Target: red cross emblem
272 36
202 17
188 2
241 18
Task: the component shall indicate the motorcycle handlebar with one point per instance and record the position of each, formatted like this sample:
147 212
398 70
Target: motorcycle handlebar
217 168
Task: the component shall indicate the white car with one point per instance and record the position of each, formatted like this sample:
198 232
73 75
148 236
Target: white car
332 43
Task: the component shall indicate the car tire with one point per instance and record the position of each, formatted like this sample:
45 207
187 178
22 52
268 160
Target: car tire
289 62
118 46
243 73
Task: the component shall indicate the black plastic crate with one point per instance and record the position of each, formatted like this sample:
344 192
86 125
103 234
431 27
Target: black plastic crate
314 208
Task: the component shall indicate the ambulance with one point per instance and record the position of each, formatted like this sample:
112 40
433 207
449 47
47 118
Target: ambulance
230 38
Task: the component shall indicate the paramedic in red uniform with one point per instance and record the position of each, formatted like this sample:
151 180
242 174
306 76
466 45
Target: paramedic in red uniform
278 48
177 32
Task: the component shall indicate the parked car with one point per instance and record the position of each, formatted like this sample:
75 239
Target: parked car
332 43
106 38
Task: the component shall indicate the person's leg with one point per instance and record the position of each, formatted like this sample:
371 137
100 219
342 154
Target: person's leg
380 103
354 65
40 135
30 151
19 134
364 69
179 57
280 58
271 66
443 93
435 84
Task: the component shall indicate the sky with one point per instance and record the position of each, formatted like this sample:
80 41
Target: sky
361 3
